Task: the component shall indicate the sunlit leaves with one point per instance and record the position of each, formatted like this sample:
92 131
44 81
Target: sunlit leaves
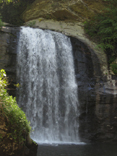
17 123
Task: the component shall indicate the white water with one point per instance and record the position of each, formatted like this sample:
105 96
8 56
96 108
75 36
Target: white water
48 91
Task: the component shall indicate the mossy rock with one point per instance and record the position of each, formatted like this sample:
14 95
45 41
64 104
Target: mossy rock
73 10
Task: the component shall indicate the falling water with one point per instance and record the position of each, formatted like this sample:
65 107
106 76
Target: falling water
48 91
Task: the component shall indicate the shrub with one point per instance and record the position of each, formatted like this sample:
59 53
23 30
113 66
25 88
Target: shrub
17 124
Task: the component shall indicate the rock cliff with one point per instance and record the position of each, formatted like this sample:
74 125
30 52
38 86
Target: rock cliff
65 10
97 88
8 46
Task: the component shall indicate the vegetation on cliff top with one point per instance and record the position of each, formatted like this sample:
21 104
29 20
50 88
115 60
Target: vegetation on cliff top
14 127
103 29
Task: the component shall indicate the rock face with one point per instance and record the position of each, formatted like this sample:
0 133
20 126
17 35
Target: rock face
8 45
65 10
97 89
97 95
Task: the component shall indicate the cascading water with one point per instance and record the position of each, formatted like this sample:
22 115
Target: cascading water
48 91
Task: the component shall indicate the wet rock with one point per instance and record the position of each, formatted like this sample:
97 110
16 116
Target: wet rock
97 95
97 89
8 46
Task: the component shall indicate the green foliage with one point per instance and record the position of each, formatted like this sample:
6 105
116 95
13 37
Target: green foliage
16 121
31 24
5 1
103 28
112 59
114 68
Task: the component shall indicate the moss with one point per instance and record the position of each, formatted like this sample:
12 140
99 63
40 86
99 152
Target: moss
37 9
79 10
31 24
64 15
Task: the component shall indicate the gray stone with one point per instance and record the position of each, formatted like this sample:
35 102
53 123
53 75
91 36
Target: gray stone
97 89
8 45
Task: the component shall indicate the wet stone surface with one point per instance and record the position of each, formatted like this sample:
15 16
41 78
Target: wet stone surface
97 93
8 49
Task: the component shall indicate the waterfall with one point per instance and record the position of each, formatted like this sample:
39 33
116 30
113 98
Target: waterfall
48 91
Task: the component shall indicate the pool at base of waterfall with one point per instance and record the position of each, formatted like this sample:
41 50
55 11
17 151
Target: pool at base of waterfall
97 149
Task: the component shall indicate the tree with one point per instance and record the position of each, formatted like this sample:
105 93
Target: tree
103 29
